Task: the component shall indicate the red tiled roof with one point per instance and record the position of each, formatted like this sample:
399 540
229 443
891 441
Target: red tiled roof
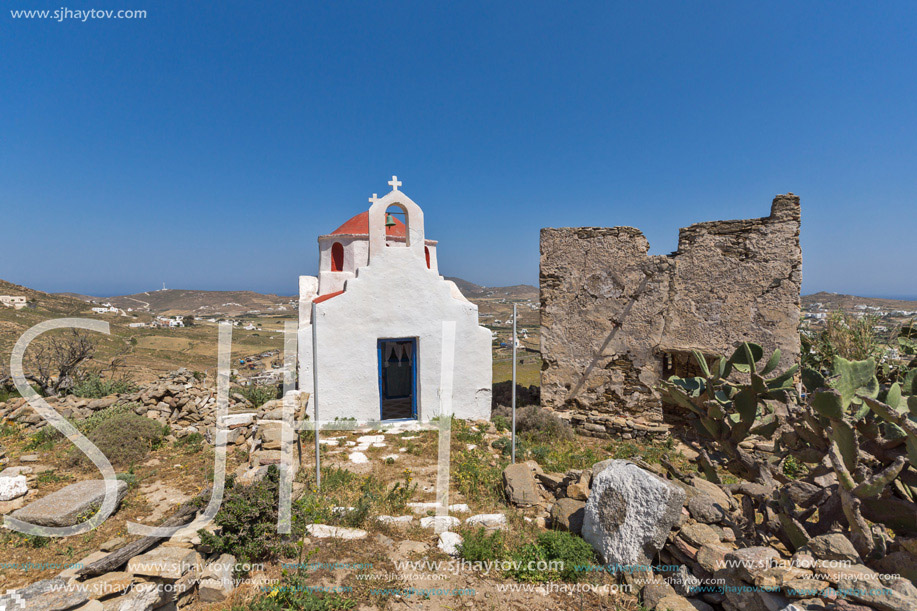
326 297
359 225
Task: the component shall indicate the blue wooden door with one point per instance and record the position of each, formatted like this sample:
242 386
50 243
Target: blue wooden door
397 378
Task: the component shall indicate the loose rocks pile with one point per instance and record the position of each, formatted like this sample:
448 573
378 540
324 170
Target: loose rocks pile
179 570
179 399
681 544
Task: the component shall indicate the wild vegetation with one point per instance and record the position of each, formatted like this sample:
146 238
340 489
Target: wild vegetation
124 438
847 423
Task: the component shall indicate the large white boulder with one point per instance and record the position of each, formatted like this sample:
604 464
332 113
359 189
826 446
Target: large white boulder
629 513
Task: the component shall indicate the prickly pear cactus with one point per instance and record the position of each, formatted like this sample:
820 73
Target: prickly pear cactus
727 409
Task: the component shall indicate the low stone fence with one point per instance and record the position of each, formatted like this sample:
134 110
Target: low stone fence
179 399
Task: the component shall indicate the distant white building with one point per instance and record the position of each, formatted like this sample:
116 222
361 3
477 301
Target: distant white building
164 321
14 301
106 309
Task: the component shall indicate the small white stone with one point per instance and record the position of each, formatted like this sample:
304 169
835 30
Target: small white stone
13 487
422 507
358 458
378 445
234 419
371 439
397 520
449 542
14 471
487 520
439 523
459 508
324 531
341 510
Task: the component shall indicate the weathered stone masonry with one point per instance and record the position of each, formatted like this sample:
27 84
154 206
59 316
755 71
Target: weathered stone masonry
615 321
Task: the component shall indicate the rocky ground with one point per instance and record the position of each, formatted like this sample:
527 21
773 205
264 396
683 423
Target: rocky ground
659 534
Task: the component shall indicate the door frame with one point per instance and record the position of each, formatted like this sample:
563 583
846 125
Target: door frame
414 361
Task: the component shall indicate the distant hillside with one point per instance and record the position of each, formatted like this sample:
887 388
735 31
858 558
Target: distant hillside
41 307
47 302
146 352
836 301
469 289
233 303
198 303
79 296
517 291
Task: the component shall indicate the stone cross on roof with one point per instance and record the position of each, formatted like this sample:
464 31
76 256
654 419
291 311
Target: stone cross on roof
395 183
373 199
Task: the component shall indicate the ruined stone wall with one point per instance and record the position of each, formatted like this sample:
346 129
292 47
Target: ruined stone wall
611 315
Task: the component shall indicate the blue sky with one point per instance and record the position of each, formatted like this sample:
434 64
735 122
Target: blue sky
208 146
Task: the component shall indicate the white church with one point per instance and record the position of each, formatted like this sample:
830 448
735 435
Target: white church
395 341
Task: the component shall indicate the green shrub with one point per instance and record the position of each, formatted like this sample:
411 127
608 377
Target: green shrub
124 438
128 478
192 443
541 424
553 556
248 522
259 394
52 476
87 425
476 478
504 444
336 478
560 456
566 556
794 468
368 496
296 591
652 452
483 546
94 386
468 432
502 423
44 439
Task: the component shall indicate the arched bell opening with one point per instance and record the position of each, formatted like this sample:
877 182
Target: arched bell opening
396 223
337 257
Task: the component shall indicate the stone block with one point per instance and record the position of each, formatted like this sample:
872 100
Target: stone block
66 506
